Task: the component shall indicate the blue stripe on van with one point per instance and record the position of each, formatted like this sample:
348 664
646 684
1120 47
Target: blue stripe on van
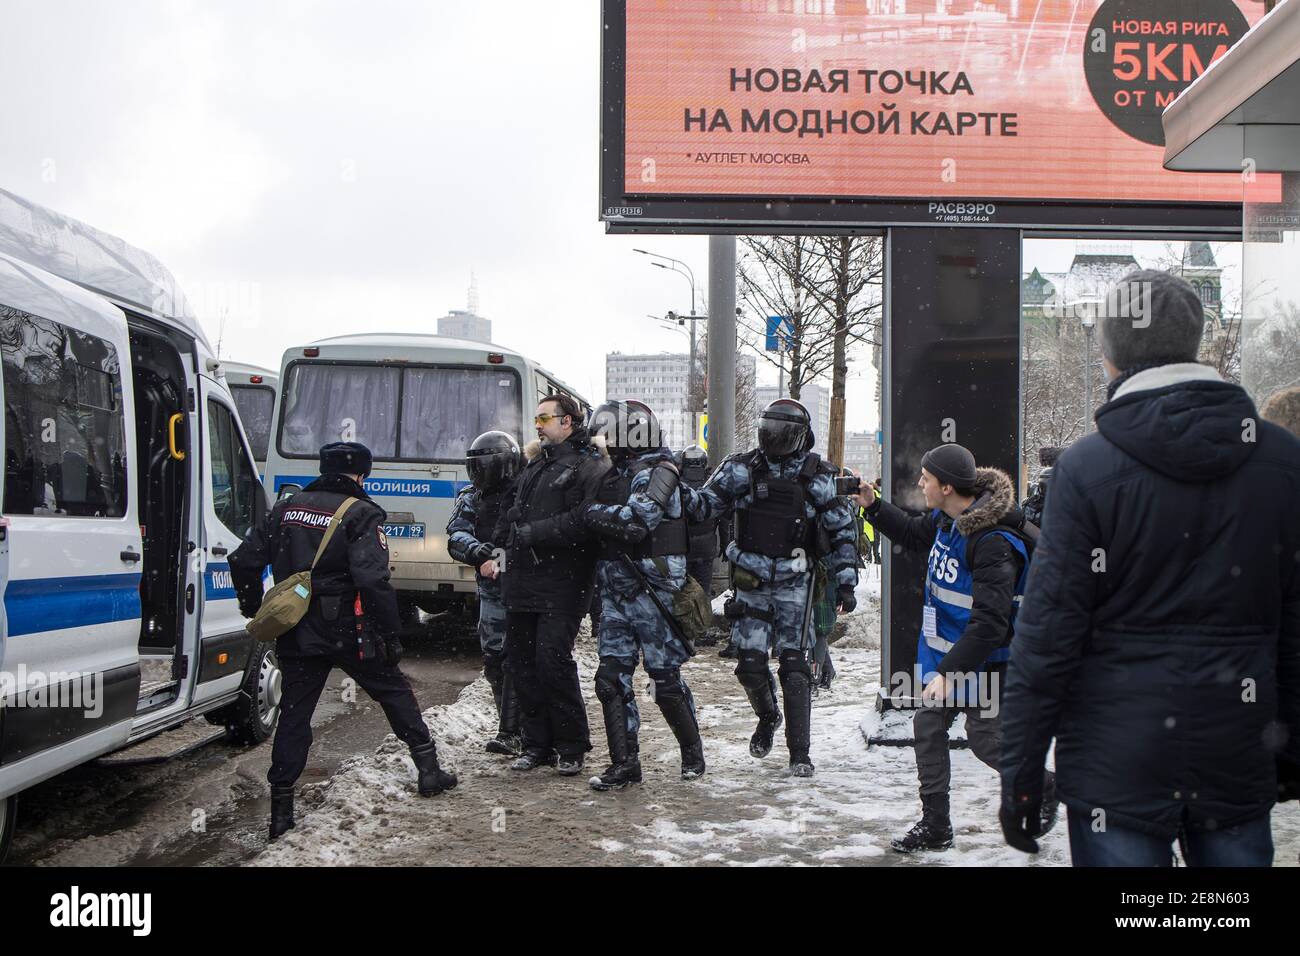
388 487
51 604
217 584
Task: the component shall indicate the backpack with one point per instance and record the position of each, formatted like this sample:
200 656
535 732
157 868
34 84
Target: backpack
1026 531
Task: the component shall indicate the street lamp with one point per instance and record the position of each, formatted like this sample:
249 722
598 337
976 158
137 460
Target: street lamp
689 276
1089 322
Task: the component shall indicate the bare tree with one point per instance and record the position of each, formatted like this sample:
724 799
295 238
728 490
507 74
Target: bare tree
776 277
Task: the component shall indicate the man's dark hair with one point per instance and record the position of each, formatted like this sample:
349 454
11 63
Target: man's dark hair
567 404
1047 455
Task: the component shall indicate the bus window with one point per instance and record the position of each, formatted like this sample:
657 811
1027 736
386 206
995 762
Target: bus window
65 430
256 404
327 403
445 409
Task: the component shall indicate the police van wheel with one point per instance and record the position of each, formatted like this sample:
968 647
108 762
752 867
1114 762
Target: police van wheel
8 806
408 611
254 716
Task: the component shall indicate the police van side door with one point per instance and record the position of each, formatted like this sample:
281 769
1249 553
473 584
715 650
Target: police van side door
232 501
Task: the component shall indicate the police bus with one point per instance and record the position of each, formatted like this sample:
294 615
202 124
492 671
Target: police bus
417 401
254 390
127 481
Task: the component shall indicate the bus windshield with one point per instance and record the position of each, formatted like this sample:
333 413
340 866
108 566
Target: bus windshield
413 413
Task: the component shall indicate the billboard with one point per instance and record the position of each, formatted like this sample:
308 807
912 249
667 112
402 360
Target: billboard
958 112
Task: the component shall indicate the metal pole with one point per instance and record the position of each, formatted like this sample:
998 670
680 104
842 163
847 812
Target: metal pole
1087 379
690 379
722 347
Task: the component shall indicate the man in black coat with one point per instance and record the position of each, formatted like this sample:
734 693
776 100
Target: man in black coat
349 579
1159 640
547 581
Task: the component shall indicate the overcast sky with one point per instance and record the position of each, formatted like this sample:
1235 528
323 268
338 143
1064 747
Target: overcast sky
344 166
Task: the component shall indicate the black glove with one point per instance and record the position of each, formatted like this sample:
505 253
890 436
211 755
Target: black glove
524 535
1021 819
249 608
481 553
1288 779
392 649
845 598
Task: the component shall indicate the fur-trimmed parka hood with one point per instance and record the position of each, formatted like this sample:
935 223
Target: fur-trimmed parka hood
997 497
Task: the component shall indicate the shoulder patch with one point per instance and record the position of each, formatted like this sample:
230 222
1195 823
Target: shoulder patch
383 538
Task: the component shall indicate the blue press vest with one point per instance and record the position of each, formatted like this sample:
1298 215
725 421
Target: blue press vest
948 588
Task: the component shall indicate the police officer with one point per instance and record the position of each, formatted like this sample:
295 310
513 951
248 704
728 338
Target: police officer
551 563
978 559
693 466
787 516
352 621
638 515
493 462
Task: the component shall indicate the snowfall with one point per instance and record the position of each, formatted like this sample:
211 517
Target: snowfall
742 812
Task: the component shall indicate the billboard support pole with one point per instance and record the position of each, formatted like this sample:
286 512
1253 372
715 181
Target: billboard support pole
722 347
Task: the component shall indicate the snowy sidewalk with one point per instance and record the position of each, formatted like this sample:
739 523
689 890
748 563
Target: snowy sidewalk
744 811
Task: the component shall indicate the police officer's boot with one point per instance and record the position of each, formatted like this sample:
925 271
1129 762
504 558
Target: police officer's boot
932 832
433 779
796 687
281 810
674 700
507 742
624 749
760 688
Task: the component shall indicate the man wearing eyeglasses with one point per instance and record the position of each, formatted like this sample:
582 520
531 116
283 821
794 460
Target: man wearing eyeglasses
547 581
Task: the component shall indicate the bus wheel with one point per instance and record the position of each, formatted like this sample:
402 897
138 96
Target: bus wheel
253 717
8 807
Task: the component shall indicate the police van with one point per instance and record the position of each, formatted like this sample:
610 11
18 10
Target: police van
254 390
127 481
417 401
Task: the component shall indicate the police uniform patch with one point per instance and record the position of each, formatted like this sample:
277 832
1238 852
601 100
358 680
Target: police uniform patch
383 538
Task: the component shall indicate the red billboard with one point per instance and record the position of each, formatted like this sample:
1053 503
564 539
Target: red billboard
982 102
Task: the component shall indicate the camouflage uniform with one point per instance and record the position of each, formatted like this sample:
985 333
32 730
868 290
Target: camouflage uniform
769 618
631 624
469 530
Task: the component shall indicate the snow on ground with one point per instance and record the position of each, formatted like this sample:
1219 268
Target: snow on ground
744 811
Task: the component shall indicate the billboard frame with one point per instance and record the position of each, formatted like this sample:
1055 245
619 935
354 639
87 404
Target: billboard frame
624 212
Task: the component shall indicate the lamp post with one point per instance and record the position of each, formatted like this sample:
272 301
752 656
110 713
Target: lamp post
689 276
1089 321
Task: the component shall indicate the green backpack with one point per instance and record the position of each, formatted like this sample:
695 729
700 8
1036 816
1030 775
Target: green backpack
286 604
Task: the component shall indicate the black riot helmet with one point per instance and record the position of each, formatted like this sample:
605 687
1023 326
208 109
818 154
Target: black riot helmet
784 430
693 462
628 428
493 460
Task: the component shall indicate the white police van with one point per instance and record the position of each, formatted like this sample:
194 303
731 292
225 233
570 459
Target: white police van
417 401
254 390
127 481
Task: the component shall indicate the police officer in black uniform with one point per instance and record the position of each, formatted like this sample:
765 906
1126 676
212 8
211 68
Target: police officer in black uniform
352 622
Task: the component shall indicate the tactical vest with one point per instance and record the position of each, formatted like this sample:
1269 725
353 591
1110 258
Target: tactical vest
487 511
668 538
776 521
704 534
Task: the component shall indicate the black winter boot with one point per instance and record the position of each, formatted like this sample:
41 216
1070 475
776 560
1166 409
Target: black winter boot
932 832
281 810
433 779
760 688
507 742
676 708
796 687
624 749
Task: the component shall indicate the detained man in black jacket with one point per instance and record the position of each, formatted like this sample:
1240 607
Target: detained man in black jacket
547 581
1159 641
978 546
352 622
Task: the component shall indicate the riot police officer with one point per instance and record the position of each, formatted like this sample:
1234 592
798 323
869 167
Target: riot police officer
352 621
693 465
638 515
493 461
787 516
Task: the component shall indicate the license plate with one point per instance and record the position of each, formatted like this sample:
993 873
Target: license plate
404 530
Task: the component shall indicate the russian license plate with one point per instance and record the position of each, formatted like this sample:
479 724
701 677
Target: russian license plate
404 530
